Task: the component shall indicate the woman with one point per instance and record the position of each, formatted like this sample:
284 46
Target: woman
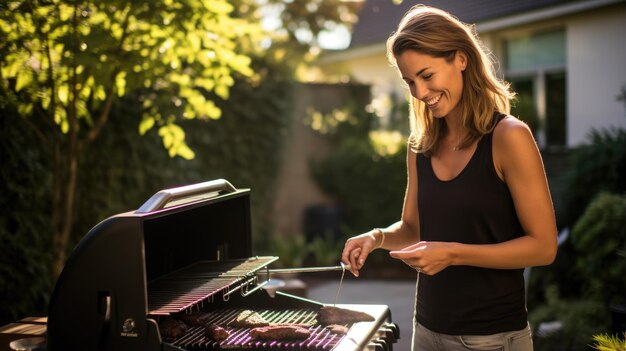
477 208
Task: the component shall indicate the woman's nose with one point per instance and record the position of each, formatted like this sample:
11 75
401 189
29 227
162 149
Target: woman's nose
419 91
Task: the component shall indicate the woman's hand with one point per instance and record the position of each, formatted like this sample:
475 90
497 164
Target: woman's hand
427 257
356 250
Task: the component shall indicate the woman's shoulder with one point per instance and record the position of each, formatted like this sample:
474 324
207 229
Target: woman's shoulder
513 144
511 131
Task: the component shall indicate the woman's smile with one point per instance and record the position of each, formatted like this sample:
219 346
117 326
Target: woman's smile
433 102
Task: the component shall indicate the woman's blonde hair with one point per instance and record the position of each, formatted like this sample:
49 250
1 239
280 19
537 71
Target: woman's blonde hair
436 33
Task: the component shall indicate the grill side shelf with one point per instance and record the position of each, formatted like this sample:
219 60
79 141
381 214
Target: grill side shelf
202 282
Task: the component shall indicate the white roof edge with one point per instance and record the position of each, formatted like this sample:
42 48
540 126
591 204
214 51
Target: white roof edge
496 24
351 53
542 14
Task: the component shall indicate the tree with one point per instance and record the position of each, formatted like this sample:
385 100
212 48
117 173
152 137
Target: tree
65 63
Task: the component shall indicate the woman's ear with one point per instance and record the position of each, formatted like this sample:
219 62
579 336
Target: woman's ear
460 58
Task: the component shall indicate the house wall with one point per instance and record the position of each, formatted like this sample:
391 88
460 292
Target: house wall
596 71
369 67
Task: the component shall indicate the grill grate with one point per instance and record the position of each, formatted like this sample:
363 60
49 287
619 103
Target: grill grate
320 339
200 282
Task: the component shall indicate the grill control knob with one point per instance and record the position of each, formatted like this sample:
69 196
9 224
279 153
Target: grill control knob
394 327
375 346
129 325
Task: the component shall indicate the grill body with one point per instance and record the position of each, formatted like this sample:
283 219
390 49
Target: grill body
190 251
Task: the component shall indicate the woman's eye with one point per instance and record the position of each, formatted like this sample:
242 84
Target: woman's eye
427 76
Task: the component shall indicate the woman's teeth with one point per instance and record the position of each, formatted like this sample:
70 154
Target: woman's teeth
433 100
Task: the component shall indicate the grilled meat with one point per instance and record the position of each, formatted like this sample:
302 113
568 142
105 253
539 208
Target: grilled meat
196 319
337 329
172 328
280 333
249 319
335 315
216 333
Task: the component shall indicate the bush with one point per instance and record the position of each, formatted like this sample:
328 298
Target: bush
592 168
368 187
581 319
24 262
599 238
595 167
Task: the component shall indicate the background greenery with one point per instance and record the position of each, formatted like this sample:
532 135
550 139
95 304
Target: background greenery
121 170
587 279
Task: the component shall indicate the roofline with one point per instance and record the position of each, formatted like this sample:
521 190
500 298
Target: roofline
542 14
486 26
351 53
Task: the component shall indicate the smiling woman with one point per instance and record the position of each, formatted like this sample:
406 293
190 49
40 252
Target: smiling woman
477 208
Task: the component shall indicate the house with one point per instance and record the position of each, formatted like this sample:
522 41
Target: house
565 59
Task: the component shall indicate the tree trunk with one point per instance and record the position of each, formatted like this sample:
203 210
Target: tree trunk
61 235
57 262
67 181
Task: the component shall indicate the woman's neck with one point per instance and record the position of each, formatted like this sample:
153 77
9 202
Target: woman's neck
455 133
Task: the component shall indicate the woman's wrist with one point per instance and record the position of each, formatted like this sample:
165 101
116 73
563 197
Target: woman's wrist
379 238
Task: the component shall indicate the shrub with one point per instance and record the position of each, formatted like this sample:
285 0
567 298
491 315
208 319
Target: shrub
581 318
24 263
595 167
599 238
368 187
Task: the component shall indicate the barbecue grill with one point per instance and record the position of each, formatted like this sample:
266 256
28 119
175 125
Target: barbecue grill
185 250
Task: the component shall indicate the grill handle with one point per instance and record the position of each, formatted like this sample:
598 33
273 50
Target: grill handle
163 197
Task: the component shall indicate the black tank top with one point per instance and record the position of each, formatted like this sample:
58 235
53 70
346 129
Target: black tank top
475 207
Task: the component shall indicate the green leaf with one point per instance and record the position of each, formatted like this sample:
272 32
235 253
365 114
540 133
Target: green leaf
222 91
120 83
60 118
25 109
185 152
218 7
45 99
63 93
24 78
173 137
65 12
100 93
146 124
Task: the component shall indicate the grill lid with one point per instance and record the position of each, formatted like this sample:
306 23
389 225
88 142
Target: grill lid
202 282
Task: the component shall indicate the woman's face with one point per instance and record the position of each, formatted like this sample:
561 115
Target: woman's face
433 80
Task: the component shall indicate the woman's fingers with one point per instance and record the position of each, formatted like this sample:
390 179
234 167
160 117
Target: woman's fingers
354 258
356 251
408 255
354 261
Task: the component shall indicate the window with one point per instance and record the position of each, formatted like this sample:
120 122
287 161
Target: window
535 66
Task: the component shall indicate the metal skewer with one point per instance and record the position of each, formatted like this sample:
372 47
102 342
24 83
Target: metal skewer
342 267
